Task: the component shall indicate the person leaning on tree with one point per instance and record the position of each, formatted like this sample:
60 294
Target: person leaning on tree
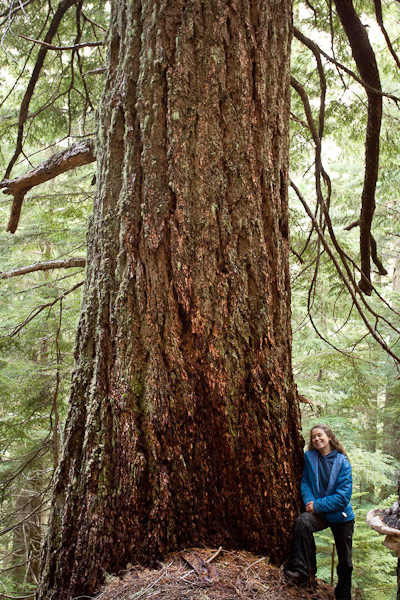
326 488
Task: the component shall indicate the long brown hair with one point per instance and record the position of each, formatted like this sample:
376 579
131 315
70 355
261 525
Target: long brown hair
335 444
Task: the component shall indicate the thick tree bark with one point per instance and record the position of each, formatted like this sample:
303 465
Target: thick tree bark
184 424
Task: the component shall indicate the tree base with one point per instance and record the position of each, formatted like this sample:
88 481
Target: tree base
213 575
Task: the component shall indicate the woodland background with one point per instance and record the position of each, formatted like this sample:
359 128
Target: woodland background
346 377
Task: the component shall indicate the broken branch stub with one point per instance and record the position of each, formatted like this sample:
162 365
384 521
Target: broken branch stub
77 155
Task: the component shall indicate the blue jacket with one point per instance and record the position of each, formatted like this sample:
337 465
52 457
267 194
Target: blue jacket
335 505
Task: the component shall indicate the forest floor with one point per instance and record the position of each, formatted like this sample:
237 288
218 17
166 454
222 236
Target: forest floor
204 574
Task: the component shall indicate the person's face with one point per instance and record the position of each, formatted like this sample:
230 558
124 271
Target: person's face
320 440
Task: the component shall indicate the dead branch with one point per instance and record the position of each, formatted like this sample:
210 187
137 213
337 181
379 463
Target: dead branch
79 16
34 455
10 12
45 266
307 109
93 23
40 308
99 71
352 225
200 566
81 153
60 48
364 57
297 255
214 555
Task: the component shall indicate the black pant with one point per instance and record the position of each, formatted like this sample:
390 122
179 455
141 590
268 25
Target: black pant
303 549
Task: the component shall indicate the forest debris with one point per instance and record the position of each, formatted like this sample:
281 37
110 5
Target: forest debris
241 576
203 569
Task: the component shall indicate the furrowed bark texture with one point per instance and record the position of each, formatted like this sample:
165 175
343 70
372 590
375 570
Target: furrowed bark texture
184 424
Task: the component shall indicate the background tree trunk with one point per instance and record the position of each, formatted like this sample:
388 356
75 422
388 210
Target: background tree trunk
391 421
398 560
184 424
27 535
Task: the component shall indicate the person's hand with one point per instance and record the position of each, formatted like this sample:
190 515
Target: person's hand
310 507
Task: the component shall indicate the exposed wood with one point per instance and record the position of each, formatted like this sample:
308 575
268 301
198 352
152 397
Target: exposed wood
45 266
375 520
202 568
80 153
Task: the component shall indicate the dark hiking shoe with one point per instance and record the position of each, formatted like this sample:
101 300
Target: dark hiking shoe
295 577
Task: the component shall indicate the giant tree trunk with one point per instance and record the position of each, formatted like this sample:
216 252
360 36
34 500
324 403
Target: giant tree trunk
184 424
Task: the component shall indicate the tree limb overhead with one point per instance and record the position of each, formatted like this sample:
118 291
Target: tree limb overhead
52 47
45 266
81 153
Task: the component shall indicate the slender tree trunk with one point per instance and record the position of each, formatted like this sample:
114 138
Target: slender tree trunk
391 421
28 535
184 424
